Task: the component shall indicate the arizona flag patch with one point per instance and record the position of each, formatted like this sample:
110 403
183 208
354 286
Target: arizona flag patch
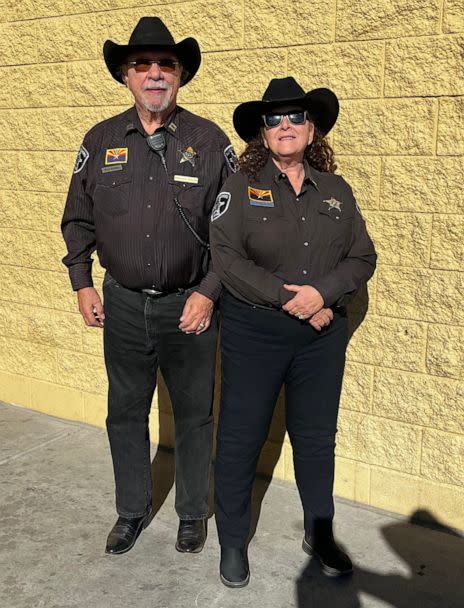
260 198
116 156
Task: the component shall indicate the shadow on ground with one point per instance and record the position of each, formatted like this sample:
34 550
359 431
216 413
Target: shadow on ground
432 576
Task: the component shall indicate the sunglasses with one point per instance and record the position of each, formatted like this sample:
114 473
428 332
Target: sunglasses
143 65
295 118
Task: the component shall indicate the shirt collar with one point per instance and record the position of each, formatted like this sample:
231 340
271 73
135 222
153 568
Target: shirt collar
134 123
272 172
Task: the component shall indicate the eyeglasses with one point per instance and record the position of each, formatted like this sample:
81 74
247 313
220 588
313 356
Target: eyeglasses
143 65
274 120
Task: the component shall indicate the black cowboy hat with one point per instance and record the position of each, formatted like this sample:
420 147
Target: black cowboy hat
321 104
149 33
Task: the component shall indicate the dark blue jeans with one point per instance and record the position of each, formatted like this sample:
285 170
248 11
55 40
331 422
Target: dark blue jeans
140 335
261 351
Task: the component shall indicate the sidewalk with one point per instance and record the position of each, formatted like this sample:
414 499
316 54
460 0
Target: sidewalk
56 504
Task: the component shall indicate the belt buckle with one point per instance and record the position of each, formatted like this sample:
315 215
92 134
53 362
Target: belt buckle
152 292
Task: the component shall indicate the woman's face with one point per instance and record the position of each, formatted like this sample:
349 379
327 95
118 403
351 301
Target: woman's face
288 140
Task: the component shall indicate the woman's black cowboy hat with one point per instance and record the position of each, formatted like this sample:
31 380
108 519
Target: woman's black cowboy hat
149 33
321 104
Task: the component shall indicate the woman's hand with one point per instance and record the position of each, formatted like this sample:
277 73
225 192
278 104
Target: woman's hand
321 319
306 303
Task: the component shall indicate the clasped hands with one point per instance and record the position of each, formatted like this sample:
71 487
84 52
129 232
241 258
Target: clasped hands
308 304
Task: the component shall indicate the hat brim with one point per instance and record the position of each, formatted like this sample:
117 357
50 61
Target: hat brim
321 104
187 51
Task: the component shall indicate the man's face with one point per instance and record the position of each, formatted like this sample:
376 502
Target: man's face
155 89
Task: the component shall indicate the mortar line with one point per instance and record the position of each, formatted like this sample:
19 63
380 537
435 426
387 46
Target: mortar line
436 120
243 24
441 17
384 63
380 174
334 24
430 241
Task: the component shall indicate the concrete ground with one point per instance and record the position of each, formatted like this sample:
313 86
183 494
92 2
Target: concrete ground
56 506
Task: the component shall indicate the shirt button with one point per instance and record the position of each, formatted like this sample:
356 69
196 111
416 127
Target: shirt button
297 199
151 178
148 236
264 219
148 264
303 219
306 243
337 217
148 206
305 272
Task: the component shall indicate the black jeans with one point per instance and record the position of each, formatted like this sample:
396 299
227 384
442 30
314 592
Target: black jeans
140 334
262 350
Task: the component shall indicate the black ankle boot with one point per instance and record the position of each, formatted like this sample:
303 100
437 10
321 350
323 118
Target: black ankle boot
191 535
234 568
322 545
124 534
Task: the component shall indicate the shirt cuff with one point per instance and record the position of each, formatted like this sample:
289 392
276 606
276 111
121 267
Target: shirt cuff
285 295
210 286
81 276
329 289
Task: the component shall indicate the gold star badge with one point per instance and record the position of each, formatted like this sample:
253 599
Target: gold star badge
333 203
188 155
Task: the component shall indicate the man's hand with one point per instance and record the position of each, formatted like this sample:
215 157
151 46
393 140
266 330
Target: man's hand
90 307
196 316
321 319
306 303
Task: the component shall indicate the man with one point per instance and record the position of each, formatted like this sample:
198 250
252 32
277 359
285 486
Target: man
141 194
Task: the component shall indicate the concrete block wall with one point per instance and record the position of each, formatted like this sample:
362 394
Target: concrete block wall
397 68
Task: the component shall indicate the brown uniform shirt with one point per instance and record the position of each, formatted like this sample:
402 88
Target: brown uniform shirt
264 235
120 202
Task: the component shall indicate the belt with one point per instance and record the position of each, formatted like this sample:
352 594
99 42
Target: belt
154 293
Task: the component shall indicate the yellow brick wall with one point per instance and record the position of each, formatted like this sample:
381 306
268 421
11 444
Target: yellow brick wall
397 68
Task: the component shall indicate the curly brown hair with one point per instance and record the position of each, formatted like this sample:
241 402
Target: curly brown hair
319 155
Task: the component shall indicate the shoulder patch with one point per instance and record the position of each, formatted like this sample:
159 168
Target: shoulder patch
82 158
221 205
231 158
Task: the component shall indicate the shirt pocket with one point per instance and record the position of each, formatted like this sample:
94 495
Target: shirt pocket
334 226
111 195
192 198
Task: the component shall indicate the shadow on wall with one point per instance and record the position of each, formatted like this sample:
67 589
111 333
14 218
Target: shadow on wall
431 577
163 468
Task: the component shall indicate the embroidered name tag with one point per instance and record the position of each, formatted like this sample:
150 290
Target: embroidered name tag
116 156
260 198
187 179
111 168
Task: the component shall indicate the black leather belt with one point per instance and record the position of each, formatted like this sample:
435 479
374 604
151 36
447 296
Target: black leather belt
154 293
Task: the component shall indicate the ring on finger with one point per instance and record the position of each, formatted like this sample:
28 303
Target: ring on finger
201 325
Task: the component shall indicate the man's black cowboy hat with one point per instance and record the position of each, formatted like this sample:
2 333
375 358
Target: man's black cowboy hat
321 104
149 33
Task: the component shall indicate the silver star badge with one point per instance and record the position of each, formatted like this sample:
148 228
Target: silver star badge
333 203
188 155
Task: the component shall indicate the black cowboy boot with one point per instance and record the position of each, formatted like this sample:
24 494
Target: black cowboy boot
322 545
191 535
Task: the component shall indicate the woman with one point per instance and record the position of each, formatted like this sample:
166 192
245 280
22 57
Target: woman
290 245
